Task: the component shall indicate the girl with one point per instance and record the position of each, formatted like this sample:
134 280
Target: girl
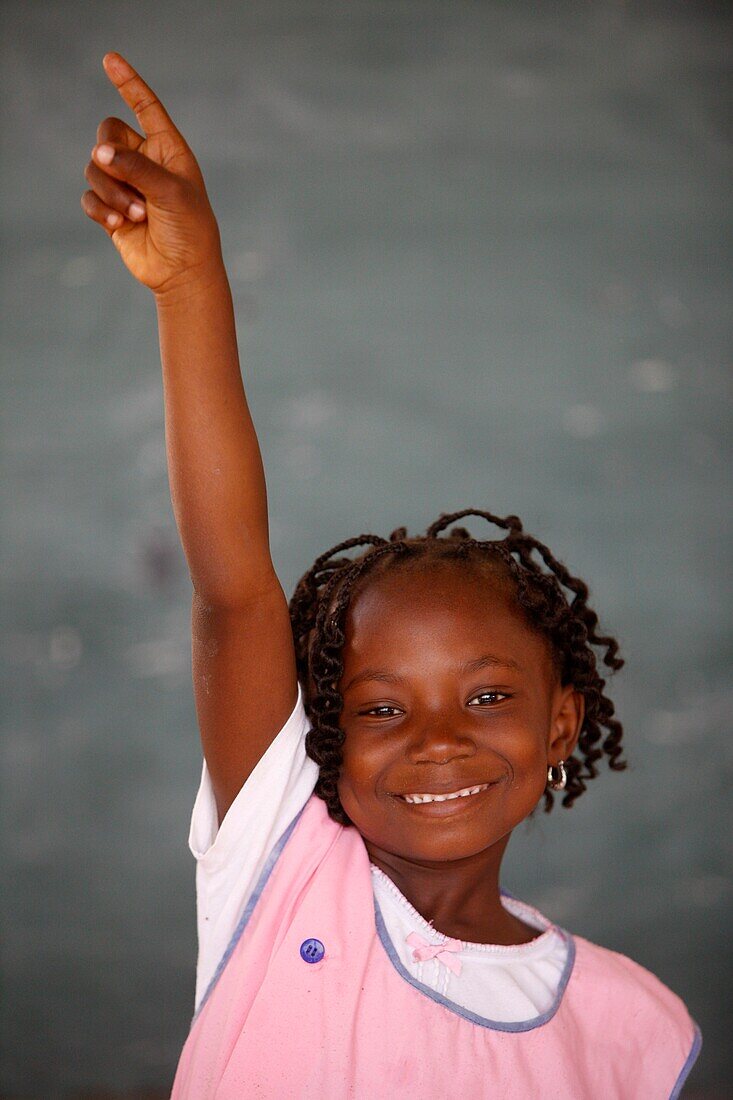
368 750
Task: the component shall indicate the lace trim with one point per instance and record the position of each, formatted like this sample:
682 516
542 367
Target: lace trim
520 909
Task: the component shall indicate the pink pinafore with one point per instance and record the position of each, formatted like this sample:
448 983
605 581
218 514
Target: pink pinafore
312 1001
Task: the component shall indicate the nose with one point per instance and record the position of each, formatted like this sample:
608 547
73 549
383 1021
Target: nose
439 743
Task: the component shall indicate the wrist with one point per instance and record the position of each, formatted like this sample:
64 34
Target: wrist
194 282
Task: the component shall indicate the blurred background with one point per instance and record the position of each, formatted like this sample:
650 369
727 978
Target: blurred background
480 258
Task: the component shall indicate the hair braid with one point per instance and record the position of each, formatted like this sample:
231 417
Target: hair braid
324 741
305 600
319 607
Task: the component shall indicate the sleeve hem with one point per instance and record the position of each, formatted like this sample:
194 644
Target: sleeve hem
285 754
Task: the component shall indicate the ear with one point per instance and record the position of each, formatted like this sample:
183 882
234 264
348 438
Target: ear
568 712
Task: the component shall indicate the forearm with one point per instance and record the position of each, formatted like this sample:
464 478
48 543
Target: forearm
215 468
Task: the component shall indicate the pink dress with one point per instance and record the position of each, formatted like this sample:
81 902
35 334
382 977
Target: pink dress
312 1001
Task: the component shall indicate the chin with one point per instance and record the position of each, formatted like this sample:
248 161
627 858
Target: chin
450 849
437 846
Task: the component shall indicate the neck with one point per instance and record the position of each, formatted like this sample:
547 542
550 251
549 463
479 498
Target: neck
460 898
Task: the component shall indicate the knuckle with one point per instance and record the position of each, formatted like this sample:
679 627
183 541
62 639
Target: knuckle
112 129
143 102
107 127
88 204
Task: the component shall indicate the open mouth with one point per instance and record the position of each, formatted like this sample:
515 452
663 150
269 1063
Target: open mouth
422 799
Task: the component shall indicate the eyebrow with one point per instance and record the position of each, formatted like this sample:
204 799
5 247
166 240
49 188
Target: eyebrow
487 661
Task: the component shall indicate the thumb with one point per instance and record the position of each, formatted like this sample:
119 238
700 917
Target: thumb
152 180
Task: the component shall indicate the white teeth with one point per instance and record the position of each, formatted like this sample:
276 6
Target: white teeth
444 797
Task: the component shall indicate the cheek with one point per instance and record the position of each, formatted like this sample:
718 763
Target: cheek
524 752
528 753
364 760
528 760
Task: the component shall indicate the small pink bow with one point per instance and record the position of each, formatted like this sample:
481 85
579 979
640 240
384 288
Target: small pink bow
440 951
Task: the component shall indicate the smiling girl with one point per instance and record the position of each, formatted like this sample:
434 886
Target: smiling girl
369 749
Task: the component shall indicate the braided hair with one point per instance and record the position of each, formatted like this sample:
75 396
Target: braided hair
320 603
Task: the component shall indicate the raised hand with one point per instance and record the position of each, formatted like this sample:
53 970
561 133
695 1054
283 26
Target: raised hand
148 193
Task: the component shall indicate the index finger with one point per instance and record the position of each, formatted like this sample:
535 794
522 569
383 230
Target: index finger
149 111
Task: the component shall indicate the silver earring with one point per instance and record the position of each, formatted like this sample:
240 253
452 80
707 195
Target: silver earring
557 784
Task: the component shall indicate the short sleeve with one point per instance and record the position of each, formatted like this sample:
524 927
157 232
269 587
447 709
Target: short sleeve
231 857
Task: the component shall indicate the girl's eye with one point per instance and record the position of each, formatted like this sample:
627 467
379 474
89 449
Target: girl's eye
493 696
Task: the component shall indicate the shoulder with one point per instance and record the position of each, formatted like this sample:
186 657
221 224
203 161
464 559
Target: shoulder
621 990
623 976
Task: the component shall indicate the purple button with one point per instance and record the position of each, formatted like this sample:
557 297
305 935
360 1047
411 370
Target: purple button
312 951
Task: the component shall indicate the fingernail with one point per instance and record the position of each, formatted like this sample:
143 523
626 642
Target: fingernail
105 153
136 210
113 219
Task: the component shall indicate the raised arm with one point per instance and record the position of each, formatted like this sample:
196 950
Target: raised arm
217 481
243 661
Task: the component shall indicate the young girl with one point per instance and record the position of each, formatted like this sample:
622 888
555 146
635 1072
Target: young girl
369 750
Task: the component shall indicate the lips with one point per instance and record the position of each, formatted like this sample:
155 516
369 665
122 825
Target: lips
426 798
434 796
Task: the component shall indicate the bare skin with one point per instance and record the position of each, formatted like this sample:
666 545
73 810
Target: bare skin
243 663
435 732
441 734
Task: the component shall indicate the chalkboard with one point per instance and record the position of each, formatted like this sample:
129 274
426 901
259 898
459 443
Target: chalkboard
478 253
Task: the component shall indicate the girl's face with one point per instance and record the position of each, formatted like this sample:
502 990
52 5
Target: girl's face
446 688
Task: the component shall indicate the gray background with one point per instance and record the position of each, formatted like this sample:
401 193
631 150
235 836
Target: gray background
479 255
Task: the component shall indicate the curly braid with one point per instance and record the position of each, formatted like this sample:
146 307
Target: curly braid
320 603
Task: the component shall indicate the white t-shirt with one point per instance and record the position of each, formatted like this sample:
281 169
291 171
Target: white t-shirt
503 983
